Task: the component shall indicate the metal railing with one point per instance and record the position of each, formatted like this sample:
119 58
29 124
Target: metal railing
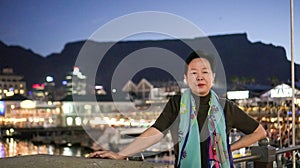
246 158
264 156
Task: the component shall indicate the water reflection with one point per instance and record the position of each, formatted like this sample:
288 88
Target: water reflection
2 155
12 147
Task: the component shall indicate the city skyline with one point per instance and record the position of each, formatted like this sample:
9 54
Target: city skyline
45 27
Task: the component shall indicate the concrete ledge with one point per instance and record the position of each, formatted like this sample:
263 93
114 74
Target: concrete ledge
52 161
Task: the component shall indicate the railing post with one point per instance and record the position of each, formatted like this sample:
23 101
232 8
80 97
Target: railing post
267 154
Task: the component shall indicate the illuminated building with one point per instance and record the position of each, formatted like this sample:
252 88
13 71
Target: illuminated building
31 113
49 88
146 91
44 91
85 112
38 91
75 82
11 83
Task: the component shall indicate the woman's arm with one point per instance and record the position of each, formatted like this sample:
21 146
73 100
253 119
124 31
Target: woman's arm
146 139
247 140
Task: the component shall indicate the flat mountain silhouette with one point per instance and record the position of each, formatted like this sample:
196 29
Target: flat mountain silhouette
240 58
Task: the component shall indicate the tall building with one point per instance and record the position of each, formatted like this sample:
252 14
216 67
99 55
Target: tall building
11 83
44 91
76 82
49 88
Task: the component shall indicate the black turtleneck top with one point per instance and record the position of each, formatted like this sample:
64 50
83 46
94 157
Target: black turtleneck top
234 117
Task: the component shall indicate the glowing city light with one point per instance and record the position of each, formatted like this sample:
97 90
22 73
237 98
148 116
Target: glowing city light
49 79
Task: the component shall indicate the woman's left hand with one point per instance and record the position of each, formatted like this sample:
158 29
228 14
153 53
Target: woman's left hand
106 155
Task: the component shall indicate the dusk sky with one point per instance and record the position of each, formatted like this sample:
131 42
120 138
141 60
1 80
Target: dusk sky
46 26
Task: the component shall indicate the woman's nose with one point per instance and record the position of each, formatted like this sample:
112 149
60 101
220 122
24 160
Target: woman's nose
199 77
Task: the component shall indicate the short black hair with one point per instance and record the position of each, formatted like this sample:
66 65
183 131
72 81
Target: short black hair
200 54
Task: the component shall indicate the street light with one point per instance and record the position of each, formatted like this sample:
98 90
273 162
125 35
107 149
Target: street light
293 78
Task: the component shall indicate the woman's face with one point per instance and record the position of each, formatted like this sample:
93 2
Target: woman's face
199 76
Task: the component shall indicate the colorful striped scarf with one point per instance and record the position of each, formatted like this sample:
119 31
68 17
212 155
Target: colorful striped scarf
189 135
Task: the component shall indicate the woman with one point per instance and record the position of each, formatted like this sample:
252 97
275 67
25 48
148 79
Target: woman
198 122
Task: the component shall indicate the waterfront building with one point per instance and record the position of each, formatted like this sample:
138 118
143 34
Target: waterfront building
44 91
38 92
85 111
31 113
49 88
150 91
75 82
11 83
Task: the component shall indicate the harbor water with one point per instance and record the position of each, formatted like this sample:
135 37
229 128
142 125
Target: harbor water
10 147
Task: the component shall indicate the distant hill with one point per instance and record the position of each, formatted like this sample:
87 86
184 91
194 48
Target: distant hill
240 57
24 62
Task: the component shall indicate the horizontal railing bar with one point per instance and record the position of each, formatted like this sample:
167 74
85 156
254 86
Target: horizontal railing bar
256 157
246 158
283 150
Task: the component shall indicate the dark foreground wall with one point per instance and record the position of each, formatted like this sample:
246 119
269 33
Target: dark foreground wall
52 161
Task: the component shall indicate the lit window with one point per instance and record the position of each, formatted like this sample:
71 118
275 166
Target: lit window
67 108
69 121
77 121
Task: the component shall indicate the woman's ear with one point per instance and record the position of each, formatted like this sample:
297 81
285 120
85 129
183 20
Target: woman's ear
185 80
